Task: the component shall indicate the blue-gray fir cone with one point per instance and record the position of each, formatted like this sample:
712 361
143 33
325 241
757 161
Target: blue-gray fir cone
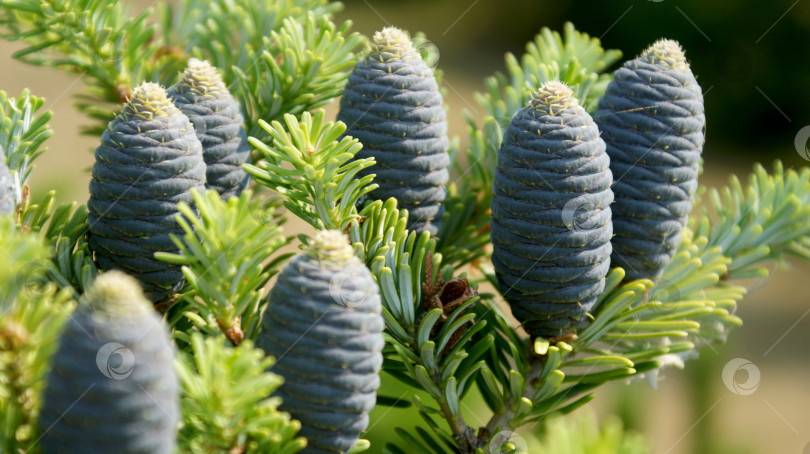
392 105
653 123
202 96
324 325
148 161
551 217
112 387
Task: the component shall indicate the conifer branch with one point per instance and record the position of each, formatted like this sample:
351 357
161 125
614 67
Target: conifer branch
225 401
224 254
291 44
33 314
320 188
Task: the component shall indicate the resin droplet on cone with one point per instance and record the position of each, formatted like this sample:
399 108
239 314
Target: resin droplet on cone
392 104
112 385
652 121
323 323
551 218
202 96
148 160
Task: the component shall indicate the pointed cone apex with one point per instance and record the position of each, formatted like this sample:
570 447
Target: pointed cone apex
203 78
392 42
117 294
552 98
667 53
331 247
149 101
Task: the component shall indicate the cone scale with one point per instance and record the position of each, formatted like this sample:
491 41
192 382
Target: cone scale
653 123
323 323
392 105
551 217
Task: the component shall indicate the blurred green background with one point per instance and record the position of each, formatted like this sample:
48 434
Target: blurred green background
752 59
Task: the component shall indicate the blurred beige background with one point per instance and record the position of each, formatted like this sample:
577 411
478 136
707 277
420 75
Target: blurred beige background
689 409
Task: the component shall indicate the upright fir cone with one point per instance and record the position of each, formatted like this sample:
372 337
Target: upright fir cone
652 121
551 224
324 325
8 196
149 159
112 385
206 101
392 104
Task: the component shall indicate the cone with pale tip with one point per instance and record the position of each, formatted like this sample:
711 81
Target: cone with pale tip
112 386
203 97
392 105
551 217
148 161
652 120
324 324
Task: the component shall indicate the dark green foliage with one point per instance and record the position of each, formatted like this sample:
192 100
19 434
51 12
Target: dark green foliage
324 325
8 198
112 386
393 106
652 121
202 96
551 223
149 160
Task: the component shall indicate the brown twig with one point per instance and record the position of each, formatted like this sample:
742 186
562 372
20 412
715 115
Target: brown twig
233 332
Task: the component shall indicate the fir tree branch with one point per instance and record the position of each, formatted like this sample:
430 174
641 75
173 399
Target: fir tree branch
23 131
762 222
575 58
225 403
291 44
90 38
227 32
320 188
32 317
429 318
224 254
64 228
298 68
